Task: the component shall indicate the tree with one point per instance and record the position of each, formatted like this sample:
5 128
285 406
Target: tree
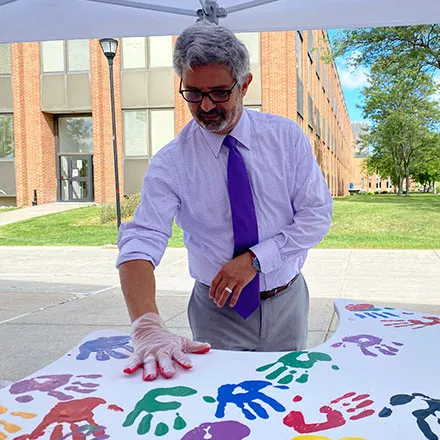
405 119
417 47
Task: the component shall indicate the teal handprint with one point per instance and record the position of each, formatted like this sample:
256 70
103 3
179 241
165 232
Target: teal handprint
150 405
298 360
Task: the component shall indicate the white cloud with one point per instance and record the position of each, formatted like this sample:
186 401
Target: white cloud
351 78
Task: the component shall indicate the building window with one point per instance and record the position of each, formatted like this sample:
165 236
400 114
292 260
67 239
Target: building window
134 53
161 51
318 63
136 133
65 56
147 131
310 44
252 41
311 115
145 53
162 129
6 136
300 96
299 64
5 59
75 134
78 55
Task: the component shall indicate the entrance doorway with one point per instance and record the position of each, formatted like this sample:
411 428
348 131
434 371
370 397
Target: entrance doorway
75 158
76 178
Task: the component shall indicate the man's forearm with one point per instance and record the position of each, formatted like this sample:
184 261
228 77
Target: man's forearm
139 287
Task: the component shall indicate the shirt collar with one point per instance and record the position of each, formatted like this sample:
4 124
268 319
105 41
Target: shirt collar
241 132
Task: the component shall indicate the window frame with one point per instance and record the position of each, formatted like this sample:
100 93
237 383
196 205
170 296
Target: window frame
65 59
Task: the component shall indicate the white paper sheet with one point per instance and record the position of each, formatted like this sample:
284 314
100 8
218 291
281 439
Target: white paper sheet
377 378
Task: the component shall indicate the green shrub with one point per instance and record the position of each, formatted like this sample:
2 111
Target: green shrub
129 203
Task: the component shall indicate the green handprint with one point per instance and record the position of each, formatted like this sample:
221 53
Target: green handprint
292 360
150 405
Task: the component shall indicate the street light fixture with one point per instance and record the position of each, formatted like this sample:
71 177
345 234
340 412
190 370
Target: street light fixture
109 47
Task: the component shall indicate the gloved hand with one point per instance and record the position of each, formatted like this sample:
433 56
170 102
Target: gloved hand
156 349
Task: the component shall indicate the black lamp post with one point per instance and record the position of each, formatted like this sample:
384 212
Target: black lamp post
109 46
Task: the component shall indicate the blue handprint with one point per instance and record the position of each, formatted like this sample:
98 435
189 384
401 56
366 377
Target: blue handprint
105 348
246 393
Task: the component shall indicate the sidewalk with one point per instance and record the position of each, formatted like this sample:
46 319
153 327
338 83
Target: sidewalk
51 297
37 211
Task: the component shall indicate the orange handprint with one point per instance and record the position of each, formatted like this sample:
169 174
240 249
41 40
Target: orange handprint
11 428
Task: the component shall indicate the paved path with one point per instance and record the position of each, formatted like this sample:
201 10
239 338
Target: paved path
37 211
51 297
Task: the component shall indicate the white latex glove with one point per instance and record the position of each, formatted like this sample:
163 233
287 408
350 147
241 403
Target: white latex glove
156 349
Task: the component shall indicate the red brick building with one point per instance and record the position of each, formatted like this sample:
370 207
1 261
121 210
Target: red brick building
55 118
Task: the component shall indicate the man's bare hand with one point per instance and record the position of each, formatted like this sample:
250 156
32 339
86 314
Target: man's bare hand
234 275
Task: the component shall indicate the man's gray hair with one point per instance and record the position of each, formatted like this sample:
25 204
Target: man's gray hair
205 43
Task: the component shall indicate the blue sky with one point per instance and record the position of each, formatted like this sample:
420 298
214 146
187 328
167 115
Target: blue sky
352 83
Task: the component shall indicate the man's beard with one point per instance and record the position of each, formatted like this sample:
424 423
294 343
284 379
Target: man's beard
221 123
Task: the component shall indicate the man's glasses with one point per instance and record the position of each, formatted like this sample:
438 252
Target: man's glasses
196 95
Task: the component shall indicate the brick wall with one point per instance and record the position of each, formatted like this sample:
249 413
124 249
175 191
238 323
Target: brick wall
34 138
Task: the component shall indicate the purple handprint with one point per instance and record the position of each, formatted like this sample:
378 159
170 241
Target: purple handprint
230 430
51 385
366 342
105 348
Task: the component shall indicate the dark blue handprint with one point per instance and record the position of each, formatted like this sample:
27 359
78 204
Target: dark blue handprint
246 393
425 417
105 348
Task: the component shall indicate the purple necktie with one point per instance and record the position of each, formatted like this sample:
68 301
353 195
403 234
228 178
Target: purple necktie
244 223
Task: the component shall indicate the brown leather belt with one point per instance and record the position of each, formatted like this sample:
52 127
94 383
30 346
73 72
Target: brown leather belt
271 293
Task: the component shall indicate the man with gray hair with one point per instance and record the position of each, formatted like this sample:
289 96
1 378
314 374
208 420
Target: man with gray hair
246 190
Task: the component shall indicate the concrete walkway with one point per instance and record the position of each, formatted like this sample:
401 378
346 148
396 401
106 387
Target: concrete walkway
37 211
51 297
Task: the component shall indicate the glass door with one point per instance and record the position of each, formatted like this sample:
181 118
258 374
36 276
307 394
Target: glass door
76 178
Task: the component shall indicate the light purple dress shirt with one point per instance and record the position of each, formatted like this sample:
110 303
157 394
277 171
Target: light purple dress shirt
187 181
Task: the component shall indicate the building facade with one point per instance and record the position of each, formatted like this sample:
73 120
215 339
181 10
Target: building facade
56 139
363 181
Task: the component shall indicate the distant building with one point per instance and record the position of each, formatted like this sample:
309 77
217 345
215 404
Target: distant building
362 180
55 119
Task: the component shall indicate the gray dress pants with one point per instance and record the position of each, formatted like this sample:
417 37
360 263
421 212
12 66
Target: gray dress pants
280 324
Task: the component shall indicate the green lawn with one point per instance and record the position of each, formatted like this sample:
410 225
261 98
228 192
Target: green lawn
379 221
6 209
385 221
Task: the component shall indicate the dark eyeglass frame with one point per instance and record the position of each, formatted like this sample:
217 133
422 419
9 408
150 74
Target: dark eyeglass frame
208 94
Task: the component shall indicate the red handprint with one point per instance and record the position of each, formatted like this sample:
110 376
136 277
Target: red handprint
414 323
71 413
333 417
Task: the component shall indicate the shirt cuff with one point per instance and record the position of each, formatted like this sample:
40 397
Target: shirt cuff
268 255
123 258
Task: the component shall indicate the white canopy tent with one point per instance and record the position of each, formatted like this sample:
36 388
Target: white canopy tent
39 20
